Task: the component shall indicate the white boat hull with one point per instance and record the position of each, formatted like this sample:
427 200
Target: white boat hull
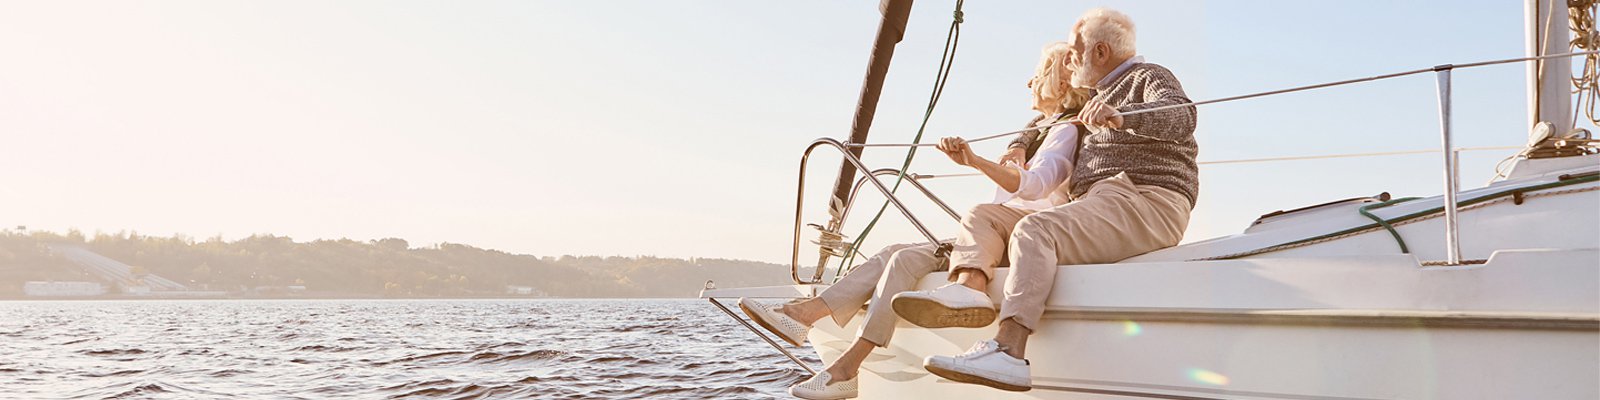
1102 359
1348 317
1291 345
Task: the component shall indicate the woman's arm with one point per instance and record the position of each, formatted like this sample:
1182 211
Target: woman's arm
1025 144
1052 165
1008 178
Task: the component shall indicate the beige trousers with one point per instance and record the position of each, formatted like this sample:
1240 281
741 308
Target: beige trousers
1114 220
897 268
894 269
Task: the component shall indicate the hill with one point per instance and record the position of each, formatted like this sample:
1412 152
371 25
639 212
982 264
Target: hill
377 268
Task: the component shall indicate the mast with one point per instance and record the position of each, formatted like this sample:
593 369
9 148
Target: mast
1549 81
890 30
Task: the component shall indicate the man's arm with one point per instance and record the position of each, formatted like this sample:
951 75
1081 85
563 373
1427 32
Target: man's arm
1161 89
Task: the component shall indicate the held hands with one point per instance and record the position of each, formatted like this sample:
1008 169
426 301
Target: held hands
958 150
1015 155
1099 114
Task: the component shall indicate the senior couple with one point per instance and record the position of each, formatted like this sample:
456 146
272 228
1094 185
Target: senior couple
1118 185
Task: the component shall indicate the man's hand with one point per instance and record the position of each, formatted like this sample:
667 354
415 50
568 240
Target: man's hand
1015 154
957 149
1098 114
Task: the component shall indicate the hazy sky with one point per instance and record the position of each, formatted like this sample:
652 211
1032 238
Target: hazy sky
665 128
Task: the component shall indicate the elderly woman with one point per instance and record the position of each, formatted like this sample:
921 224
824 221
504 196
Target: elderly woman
977 250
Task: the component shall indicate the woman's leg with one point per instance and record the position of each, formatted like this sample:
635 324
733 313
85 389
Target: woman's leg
978 251
844 298
981 246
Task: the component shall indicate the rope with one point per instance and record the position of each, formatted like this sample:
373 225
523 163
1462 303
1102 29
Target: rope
947 60
1366 211
1581 18
1352 155
1588 53
1274 159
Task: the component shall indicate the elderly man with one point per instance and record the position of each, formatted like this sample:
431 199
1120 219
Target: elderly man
1133 186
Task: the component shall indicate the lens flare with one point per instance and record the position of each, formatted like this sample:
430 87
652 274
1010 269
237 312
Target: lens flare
1204 376
1130 328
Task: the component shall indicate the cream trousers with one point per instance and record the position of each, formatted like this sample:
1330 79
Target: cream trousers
1115 219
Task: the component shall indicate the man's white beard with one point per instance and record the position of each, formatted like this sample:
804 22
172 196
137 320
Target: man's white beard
1081 75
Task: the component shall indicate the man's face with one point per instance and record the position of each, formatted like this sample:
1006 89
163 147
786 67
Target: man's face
1084 74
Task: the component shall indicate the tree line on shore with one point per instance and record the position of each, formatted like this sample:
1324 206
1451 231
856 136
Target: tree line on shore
388 267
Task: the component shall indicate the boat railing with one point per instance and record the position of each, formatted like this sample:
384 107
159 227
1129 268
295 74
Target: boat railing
913 179
799 209
1451 164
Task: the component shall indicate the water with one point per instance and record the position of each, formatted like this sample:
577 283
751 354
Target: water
376 349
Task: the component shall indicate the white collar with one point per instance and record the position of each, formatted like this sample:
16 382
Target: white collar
1115 73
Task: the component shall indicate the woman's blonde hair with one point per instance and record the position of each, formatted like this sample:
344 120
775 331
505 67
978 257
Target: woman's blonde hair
1052 81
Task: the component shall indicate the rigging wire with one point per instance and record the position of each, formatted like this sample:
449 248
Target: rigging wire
1260 94
947 60
917 176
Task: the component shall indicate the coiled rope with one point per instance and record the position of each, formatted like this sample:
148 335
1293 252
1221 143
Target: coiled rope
1586 84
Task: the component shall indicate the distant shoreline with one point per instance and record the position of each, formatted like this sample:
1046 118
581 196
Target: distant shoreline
38 265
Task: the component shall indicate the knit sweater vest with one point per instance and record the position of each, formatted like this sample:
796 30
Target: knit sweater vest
1155 148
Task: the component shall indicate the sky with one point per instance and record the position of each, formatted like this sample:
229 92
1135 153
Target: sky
670 129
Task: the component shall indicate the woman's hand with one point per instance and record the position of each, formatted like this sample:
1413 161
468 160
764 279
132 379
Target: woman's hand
957 149
1015 154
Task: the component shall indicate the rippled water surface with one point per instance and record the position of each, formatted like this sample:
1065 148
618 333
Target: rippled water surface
577 349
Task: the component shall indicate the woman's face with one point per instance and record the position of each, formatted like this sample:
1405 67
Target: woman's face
1064 79
1053 85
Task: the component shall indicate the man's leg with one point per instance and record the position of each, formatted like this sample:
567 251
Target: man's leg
1115 220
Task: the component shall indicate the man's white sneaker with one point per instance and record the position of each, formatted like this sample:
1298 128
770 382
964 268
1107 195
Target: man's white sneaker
768 316
951 305
817 388
986 365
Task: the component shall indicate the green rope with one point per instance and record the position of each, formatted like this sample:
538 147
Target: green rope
1365 212
947 60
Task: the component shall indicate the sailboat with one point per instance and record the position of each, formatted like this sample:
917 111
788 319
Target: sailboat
1489 292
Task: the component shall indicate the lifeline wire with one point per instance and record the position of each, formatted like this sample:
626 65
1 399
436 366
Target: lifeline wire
1272 159
1254 95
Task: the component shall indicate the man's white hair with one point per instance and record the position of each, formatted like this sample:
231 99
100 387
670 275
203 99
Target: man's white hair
1112 27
